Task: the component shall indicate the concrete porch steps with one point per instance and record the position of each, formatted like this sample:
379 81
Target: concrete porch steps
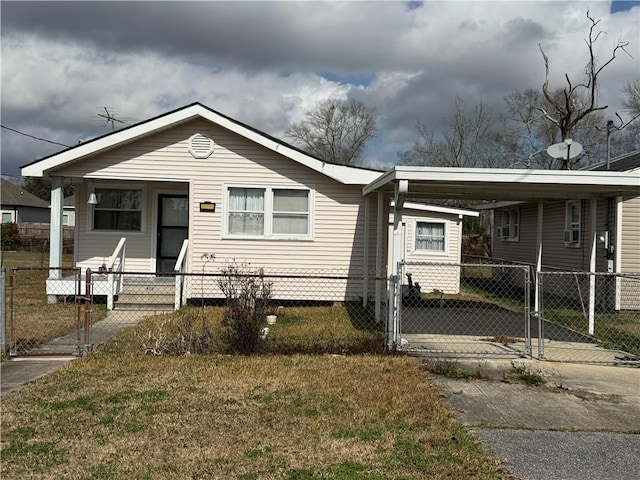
147 294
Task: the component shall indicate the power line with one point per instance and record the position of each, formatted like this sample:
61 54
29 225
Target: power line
34 137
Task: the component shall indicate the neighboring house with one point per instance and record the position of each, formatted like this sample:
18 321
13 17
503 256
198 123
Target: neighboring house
20 206
566 233
432 234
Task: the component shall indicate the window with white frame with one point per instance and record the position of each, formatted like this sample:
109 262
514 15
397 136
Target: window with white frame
508 225
572 223
431 236
118 209
8 216
269 212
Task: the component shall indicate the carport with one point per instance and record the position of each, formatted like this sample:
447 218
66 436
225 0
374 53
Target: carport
429 183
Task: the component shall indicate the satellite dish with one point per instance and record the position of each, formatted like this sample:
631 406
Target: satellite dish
565 150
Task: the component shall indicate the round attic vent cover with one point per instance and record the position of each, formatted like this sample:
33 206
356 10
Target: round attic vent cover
200 146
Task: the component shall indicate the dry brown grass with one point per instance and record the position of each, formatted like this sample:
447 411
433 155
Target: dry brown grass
31 320
262 417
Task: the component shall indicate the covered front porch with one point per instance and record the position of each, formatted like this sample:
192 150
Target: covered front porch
122 226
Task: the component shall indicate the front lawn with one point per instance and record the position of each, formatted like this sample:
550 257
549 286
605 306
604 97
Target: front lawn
120 414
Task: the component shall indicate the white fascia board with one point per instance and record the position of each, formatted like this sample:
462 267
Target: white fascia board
341 173
438 209
503 175
506 176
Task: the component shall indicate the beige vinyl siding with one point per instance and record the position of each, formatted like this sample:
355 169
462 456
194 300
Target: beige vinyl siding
337 236
433 277
630 253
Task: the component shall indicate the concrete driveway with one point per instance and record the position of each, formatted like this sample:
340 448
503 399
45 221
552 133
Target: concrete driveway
584 423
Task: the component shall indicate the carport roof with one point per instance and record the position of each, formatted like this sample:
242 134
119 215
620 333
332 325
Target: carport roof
505 184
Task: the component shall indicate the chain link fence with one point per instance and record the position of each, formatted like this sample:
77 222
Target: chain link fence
446 309
34 325
592 318
465 309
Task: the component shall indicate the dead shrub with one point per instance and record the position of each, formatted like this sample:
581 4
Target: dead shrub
187 334
248 297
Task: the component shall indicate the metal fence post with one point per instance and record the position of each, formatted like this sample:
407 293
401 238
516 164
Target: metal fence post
12 336
527 312
87 308
3 313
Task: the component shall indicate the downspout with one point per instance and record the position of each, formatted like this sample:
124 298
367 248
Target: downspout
380 224
365 263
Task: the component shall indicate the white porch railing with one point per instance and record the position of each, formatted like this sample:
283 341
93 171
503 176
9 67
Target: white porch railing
180 269
115 267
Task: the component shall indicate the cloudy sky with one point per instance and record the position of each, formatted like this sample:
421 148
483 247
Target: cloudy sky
266 63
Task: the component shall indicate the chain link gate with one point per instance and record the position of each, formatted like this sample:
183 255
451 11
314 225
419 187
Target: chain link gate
34 326
465 309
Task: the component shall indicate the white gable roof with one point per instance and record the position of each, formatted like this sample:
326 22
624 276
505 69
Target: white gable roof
341 173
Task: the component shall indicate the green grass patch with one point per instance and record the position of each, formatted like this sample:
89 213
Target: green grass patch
614 331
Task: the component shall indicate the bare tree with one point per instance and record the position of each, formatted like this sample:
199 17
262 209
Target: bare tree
568 106
533 133
335 131
472 140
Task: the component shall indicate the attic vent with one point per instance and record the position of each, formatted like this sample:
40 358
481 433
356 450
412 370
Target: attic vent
200 146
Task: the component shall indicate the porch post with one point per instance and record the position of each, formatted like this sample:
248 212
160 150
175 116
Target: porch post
537 292
402 188
593 203
380 225
55 234
365 263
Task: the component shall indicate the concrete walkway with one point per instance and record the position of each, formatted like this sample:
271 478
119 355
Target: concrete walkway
21 370
584 423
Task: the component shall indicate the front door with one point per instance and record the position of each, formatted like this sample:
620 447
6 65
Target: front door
173 229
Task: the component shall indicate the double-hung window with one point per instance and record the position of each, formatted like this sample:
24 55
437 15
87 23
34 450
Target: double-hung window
118 209
572 223
508 223
430 236
269 212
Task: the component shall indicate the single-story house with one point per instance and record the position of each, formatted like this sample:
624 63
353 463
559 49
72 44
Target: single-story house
19 206
165 194
169 192
567 232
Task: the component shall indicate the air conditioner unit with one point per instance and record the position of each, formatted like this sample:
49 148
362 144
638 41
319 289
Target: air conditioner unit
571 236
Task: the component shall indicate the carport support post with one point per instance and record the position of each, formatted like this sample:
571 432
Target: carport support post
394 311
593 203
538 257
55 234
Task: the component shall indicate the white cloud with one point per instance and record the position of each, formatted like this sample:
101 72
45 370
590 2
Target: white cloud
268 64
